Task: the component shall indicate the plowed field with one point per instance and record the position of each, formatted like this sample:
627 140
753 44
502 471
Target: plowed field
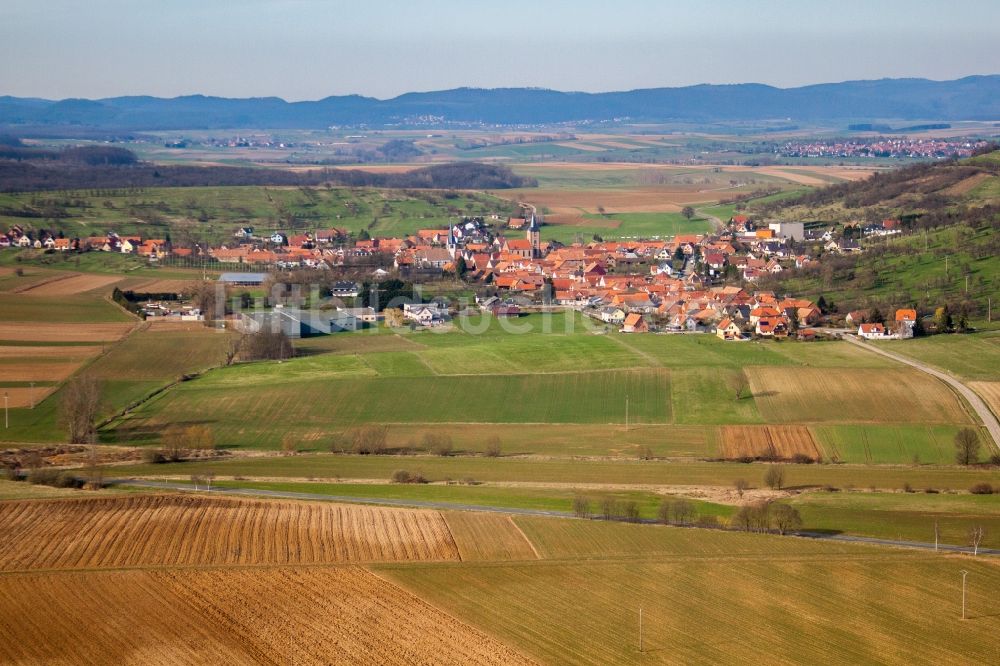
768 442
42 332
262 616
71 285
193 530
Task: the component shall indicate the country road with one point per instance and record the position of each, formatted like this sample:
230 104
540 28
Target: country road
447 506
986 415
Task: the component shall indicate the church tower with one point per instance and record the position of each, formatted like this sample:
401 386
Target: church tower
534 237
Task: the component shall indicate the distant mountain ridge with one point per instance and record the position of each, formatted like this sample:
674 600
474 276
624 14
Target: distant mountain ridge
969 98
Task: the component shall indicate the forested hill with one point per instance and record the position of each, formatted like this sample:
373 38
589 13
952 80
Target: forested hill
26 169
922 190
970 98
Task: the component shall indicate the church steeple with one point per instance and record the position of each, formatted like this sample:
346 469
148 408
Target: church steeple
534 237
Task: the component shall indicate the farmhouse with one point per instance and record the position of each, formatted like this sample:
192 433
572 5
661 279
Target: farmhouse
728 330
634 323
425 314
874 331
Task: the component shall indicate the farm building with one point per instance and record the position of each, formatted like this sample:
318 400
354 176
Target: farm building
243 279
297 323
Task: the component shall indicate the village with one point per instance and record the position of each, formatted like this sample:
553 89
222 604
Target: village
691 283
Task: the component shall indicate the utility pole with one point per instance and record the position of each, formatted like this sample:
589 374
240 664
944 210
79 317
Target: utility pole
964 574
946 268
989 309
640 628
966 284
936 533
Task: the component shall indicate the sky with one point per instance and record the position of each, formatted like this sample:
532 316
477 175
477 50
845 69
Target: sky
310 49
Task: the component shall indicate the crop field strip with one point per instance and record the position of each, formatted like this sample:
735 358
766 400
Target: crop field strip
768 441
489 537
71 284
147 530
813 395
337 615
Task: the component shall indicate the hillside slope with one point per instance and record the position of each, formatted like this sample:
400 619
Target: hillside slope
948 252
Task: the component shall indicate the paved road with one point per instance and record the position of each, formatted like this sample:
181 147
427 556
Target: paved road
447 506
985 414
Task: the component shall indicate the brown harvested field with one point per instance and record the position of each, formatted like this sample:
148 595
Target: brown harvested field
335 615
489 536
71 285
989 392
163 286
42 332
164 530
856 395
44 370
69 351
778 442
25 396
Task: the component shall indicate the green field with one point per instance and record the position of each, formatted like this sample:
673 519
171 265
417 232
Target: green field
900 444
906 516
546 371
79 309
627 225
569 471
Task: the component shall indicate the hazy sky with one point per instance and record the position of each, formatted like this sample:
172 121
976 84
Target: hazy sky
309 49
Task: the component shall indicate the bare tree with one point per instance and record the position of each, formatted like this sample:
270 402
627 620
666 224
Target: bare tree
774 477
741 486
684 512
663 514
81 398
210 298
370 439
438 443
786 518
754 517
289 446
493 447
581 506
967 446
233 349
976 534
95 473
266 344
609 508
199 438
174 442
630 511
738 384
